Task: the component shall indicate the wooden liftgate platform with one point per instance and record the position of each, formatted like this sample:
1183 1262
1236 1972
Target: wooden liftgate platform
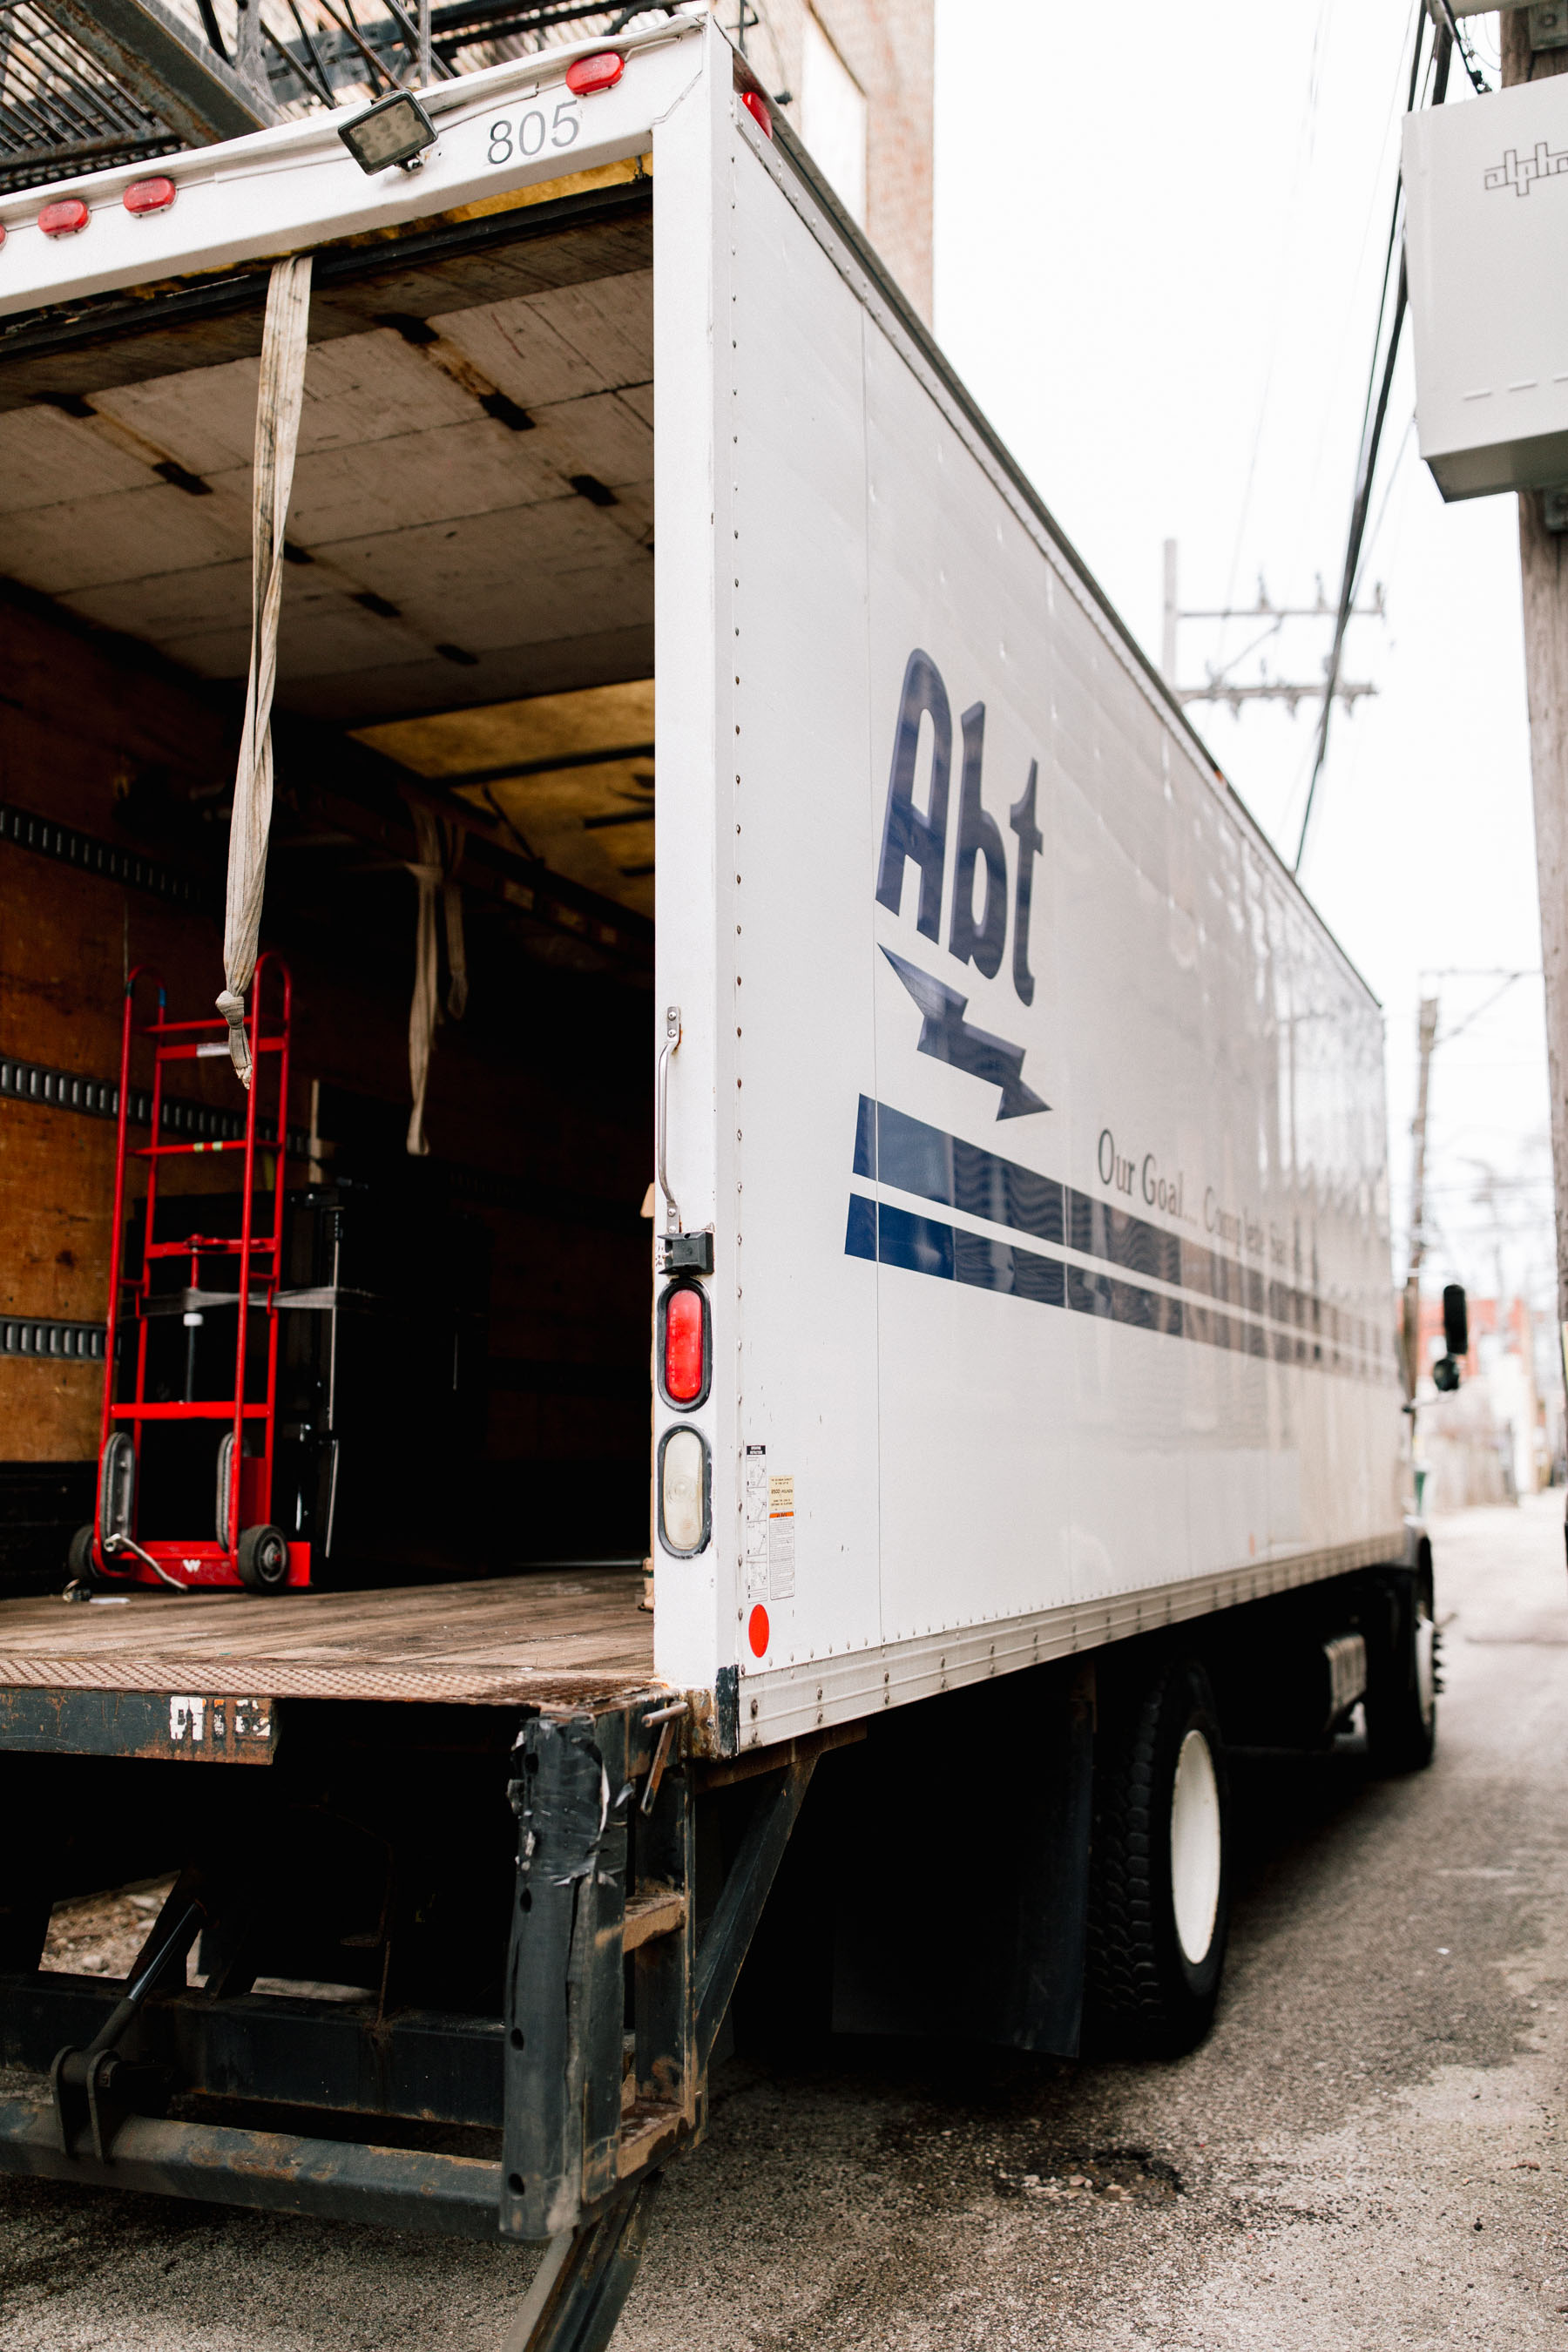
594 2072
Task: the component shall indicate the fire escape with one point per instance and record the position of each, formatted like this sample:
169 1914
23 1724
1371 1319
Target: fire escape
86 84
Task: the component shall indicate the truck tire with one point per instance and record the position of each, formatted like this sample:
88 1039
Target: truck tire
1401 1701
263 1559
1159 1908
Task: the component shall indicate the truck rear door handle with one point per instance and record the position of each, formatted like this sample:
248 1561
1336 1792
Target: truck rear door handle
661 1135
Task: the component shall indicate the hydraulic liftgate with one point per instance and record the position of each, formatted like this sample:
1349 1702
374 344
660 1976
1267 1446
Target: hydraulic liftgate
595 2072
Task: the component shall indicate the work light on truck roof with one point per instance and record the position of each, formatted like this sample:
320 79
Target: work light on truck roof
603 71
398 131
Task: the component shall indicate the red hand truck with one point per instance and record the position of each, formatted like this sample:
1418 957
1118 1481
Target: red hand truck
243 1548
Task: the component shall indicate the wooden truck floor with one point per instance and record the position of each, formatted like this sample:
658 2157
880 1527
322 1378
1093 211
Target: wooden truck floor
540 1638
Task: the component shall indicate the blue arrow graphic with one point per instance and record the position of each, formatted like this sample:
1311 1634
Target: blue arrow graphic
947 1036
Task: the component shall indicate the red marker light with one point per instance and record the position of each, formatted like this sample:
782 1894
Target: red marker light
757 106
757 1630
1 232
601 72
65 218
683 1365
148 197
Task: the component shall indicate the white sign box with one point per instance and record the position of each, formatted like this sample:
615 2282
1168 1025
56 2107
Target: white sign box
1486 248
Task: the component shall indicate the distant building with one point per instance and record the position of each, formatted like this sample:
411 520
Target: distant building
860 75
1501 1434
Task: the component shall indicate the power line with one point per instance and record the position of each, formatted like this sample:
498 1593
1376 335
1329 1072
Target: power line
1486 1005
1468 56
1388 489
1219 685
1304 146
1373 416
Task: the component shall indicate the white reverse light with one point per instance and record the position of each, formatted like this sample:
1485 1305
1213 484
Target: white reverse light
683 1491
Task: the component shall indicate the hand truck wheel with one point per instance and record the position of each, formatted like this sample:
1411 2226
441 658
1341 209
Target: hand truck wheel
81 1563
263 1559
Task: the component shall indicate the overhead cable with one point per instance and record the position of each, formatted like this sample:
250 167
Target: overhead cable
1373 416
1467 55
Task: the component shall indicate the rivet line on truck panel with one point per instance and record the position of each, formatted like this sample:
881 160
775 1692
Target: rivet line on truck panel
1059 1631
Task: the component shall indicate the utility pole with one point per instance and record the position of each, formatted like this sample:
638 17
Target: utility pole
1219 687
1427 1037
1543 567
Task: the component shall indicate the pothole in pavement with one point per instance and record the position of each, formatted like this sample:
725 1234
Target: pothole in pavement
1114 2174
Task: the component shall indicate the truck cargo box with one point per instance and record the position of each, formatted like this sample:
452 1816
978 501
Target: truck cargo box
960 1107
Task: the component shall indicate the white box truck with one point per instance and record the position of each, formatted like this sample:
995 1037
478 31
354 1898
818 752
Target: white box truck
1026 1421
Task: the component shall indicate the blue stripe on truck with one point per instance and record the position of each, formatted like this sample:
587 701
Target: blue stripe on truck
894 1236
895 1150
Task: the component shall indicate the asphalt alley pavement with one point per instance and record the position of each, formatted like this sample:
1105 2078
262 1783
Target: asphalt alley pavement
1367 2152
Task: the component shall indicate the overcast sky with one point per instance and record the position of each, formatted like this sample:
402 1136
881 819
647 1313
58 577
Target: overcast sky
1160 240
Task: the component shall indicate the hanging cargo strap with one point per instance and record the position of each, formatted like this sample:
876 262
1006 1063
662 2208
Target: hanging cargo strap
452 917
440 848
284 344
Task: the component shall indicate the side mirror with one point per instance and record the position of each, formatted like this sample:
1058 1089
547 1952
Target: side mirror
1455 1321
1455 1339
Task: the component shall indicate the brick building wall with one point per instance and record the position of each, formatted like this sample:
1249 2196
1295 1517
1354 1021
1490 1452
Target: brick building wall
890 48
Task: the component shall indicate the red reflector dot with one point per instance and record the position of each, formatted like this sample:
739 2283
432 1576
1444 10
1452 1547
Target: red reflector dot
601 72
757 106
148 197
683 1345
65 218
757 1630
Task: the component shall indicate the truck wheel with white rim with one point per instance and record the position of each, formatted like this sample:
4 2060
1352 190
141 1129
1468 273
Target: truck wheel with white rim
1401 1700
1159 1864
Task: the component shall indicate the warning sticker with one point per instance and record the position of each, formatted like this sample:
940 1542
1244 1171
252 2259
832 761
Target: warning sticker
755 1510
781 1537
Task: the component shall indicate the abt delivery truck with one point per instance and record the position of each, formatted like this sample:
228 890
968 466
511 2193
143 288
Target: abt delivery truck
860 997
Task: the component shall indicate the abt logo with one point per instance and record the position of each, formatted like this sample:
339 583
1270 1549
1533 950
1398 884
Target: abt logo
917 836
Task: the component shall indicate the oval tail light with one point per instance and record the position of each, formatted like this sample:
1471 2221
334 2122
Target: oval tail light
149 196
601 72
757 106
64 218
683 1500
683 1344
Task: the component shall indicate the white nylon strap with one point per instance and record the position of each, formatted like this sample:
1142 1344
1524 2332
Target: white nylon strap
284 343
425 1009
439 848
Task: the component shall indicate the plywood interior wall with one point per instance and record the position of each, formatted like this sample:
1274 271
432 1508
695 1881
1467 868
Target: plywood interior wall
542 1125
